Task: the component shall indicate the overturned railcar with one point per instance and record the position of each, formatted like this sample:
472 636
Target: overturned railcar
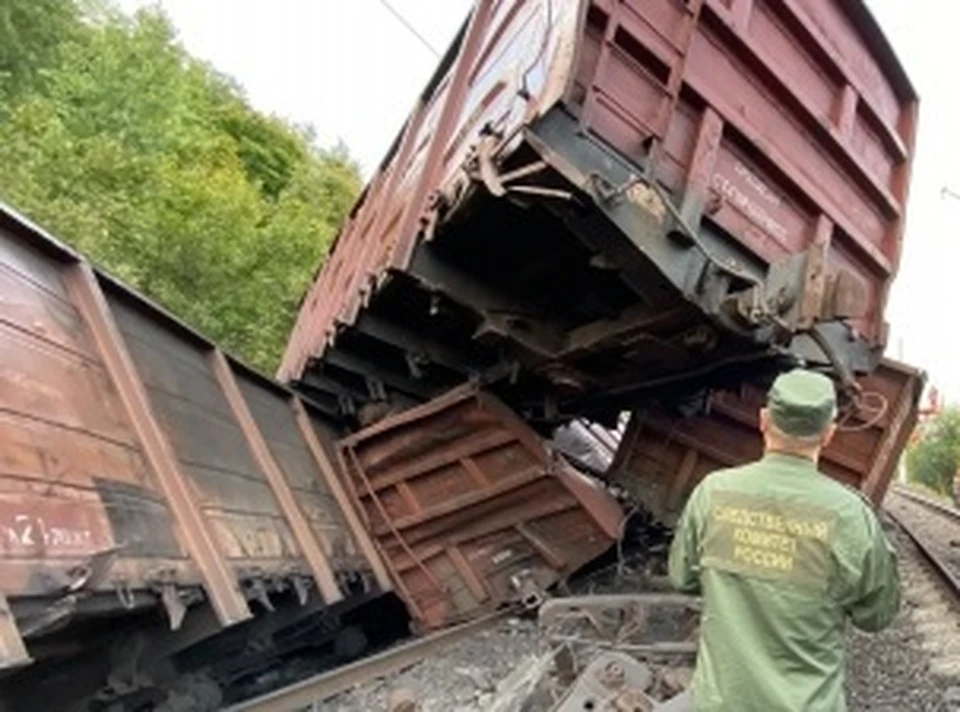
663 454
471 508
596 201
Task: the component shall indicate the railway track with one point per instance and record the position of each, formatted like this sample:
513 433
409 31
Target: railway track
930 570
936 505
931 578
935 529
310 693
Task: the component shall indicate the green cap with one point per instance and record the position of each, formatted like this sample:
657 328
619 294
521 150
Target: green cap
802 403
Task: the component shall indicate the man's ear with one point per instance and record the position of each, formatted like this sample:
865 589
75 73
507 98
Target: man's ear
828 436
764 420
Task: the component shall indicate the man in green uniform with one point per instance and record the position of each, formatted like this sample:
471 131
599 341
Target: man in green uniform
783 556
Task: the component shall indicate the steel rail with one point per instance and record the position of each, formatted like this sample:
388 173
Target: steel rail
941 507
942 569
305 693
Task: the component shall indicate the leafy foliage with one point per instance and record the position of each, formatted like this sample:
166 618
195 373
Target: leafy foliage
933 460
120 142
31 32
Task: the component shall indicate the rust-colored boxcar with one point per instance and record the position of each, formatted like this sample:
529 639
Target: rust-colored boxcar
603 198
663 456
142 468
470 508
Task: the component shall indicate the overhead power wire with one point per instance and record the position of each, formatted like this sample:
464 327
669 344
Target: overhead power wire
413 30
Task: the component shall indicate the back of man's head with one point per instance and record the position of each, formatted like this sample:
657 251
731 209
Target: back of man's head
800 413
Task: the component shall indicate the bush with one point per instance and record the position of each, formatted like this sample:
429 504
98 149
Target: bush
117 140
933 459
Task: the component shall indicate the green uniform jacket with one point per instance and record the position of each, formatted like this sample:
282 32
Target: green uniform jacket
783 556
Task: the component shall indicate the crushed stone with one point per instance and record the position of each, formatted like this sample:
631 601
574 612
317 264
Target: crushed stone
890 671
461 677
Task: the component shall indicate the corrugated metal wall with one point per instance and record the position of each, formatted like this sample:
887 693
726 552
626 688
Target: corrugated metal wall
135 455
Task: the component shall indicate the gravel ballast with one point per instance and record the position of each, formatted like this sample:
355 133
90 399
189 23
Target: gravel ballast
901 669
912 665
460 678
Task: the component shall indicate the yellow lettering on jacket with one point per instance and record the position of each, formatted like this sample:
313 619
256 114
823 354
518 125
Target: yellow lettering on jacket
756 537
760 519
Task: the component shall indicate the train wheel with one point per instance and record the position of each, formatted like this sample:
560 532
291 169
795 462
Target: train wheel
350 643
193 693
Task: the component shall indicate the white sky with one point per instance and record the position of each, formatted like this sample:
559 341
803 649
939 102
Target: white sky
349 68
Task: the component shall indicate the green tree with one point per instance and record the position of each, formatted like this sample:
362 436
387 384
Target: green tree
156 166
31 33
933 460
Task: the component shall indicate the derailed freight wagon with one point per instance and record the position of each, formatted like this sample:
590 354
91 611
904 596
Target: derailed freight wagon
471 508
152 492
663 455
594 202
175 526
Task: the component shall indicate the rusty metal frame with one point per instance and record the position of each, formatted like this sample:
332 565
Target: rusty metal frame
740 14
396 171
702 165
220 583
674 84
299 525
329 473
455 94
477 589
815 274
904 417
392 527
548 552
680 483
590 100
13 651
506 501
523 478
901 190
